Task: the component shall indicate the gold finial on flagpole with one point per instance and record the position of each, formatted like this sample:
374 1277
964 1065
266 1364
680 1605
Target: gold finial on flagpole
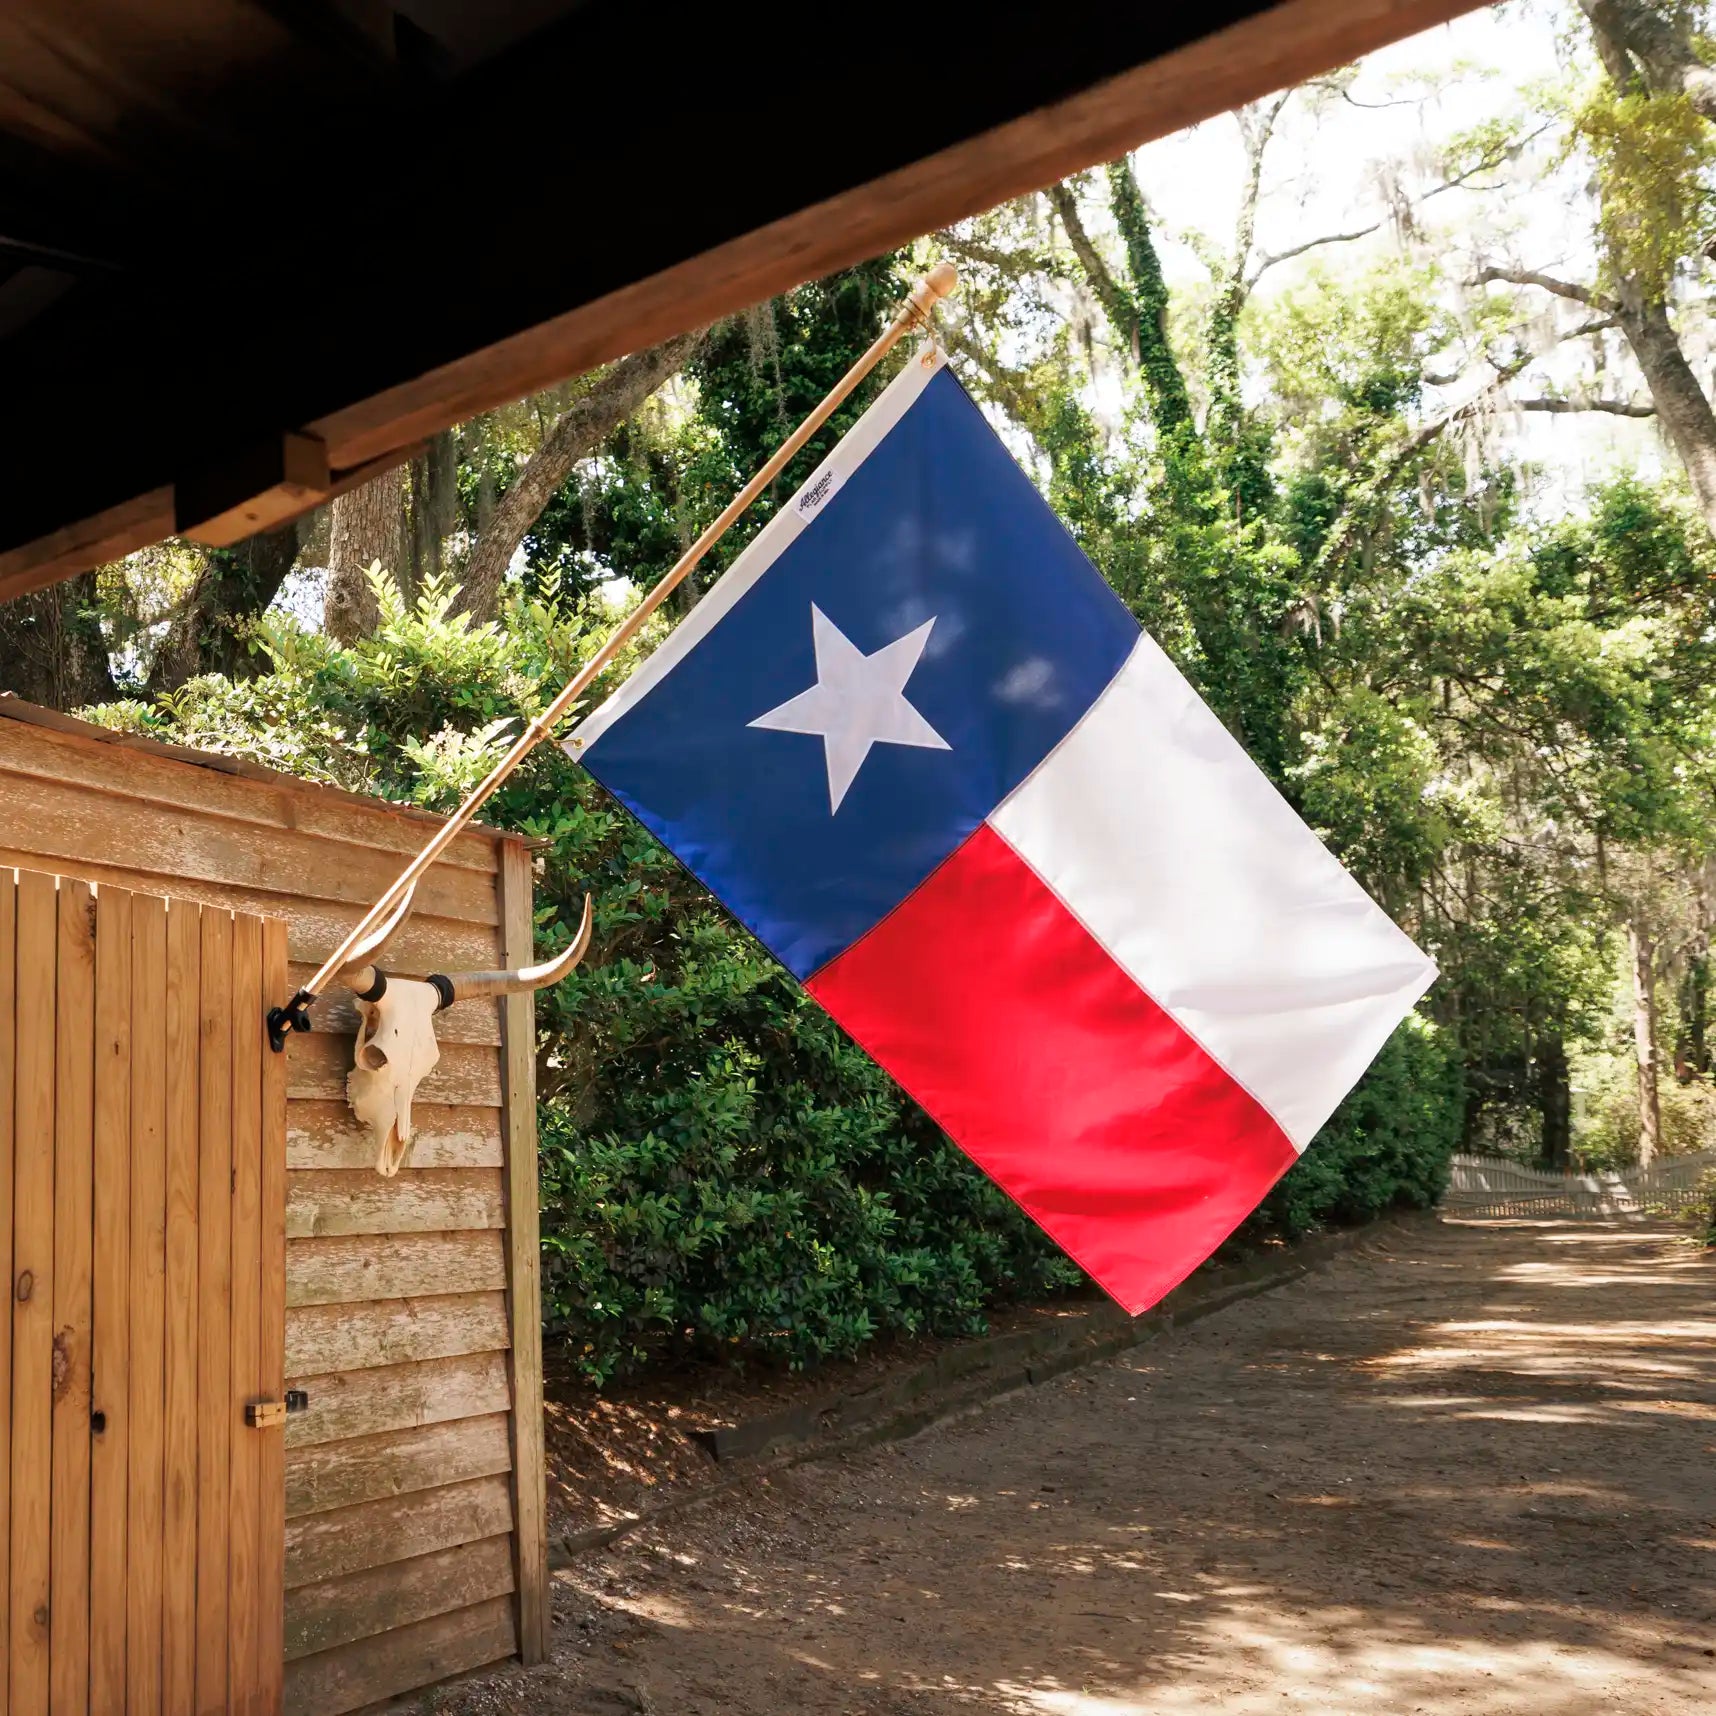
918 311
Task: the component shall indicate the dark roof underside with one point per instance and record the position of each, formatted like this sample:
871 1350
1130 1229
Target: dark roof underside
251 247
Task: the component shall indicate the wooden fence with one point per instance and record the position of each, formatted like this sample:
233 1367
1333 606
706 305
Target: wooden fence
1493 1186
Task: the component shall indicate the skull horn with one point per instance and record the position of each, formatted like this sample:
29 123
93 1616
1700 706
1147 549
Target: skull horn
466 985
359 973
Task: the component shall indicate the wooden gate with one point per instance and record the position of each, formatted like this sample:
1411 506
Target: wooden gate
142 1231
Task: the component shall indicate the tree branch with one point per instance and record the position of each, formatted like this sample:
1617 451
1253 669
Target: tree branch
1615 407
1548 283
1116 301
1489 161
616 393
1004 386
1270 258
1346 525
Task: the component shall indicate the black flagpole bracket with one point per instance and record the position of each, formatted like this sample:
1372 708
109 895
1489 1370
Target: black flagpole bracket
294 1016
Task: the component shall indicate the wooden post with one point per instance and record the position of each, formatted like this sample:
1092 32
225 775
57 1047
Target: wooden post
524 1258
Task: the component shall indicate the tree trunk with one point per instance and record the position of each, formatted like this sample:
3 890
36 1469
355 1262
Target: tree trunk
1170 402
1555 1102
210 633
1681 406
1643 50
434 505
366 529
52 650
591 418
1693 1053
1662 45
1644 1041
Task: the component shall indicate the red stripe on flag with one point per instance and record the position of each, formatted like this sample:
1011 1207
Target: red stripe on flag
989 1001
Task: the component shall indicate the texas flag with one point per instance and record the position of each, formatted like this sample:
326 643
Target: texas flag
920 748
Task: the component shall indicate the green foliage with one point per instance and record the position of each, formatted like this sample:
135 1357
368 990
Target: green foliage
1653 156
664 476
1386 1147
1702 1216
1606 1085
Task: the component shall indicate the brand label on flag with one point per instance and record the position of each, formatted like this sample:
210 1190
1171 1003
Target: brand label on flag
824 486
924 753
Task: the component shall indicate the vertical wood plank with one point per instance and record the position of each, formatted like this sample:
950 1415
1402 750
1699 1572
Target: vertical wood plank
271 1583
74 1124
179 1386
8 1042
148 1271
33 1294
524 1258
214 1288
110 1360
245 1549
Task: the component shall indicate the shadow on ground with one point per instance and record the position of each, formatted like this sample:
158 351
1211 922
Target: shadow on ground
1471 1476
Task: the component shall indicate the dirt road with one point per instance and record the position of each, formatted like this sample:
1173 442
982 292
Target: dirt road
1473 1475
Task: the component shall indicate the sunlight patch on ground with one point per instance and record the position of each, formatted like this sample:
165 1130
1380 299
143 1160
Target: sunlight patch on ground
1250 1667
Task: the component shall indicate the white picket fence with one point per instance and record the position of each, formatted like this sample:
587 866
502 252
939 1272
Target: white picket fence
1493 1186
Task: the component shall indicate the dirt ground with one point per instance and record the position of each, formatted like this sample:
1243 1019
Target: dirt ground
1472 1474
633 1444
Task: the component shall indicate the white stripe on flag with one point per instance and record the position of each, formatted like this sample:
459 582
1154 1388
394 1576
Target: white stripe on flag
1172 848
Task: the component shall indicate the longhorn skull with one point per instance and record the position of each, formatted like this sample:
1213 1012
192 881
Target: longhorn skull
396 1047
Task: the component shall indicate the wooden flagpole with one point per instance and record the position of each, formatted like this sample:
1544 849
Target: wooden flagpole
915 312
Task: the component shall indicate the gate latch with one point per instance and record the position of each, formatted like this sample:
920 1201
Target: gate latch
265 1414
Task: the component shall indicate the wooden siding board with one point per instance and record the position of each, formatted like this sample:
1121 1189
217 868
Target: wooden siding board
214 1278
325 1134
74 1123
416 1200
344 1404
110 1364
128 771
352 1676
33 1300
179 1352
272 1326
8 1046
67 821
524 1254
383 1599
147 1276
342 1474
372 1534
356 1269
246 1549
394 1331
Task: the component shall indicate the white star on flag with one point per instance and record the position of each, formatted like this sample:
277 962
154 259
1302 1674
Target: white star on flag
858 701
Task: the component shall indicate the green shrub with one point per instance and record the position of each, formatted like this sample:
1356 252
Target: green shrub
1606 1113
1386 1147
1701 1218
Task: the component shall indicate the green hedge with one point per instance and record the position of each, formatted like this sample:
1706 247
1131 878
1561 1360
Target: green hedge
1386 1147
800 1208
753 1184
